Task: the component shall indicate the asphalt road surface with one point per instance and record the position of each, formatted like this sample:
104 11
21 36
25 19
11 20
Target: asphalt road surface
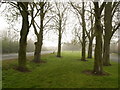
15 55
113 57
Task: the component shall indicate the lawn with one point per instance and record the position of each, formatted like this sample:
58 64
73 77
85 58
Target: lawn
65 72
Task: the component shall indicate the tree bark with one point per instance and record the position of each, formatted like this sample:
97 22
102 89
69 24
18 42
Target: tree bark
59 40
108 32
59 46
90 49
106 53
23 38
37 52
38 44
83 34
98 64
38 48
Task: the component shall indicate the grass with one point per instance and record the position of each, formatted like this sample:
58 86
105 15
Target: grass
65 72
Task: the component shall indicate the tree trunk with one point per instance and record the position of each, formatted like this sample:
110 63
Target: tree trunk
106 52
38 48
83 51
108 32
83 34
37 52
59 38
38 44
23 39
59 44
90 49
22 54
98 64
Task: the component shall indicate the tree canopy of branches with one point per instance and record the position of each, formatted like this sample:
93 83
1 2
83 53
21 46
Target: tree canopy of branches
41 10
81 13
60 22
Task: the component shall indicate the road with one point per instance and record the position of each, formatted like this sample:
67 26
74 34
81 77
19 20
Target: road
15 55
115 57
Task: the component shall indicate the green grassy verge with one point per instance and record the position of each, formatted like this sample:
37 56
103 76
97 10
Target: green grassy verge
65 72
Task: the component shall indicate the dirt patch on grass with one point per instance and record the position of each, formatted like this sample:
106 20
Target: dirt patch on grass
90 72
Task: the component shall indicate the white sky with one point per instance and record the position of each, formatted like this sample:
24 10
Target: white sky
50 39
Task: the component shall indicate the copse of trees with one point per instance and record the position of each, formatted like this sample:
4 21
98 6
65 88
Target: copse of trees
9 46
99 17
87 24
10 43
71 47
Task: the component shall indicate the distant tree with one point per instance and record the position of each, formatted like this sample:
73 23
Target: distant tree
9 42
30 45
71 47
81 12
60 22
90 33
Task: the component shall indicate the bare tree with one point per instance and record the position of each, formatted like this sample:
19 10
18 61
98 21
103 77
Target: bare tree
60 22
109 13
91 32
98 63
81 12
22 7
41 10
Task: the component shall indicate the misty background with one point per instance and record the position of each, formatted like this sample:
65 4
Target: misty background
10 30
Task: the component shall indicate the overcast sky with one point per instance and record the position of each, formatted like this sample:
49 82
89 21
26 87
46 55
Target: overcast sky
50 38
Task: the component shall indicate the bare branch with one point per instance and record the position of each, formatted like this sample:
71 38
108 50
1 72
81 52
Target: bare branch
102 7
48 21
75 8
115 28
115 5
